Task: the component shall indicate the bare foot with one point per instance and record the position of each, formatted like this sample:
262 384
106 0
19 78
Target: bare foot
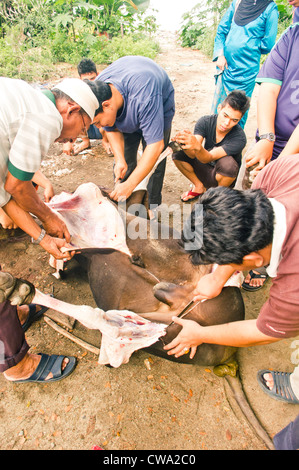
23 312
107 147
85 144
269 381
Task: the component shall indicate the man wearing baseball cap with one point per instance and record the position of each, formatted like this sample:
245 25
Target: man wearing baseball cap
30 121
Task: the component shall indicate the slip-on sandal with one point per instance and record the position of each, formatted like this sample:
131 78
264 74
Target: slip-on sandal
193 195
247 286
51 364
282 389
33 315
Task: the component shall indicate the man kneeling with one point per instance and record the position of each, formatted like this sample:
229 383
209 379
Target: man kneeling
215 162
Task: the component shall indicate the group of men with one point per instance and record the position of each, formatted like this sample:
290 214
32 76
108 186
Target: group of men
132 102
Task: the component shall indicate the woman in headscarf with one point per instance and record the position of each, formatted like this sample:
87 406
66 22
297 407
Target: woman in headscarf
247 30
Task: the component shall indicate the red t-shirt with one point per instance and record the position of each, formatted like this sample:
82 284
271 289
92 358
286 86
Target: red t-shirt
279 316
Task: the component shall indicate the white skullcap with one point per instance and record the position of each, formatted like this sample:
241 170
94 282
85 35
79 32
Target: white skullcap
80 93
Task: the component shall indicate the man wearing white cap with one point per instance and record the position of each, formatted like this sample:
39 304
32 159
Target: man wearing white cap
30 121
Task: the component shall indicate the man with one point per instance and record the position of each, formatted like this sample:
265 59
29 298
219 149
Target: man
217 161
87 70
137 105
277 109
30 122
244 230
16 364
277 115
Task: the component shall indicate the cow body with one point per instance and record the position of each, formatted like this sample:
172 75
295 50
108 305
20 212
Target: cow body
155 278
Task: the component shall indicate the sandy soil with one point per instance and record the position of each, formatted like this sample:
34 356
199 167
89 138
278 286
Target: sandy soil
171 406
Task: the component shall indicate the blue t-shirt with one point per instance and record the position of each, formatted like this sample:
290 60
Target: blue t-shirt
281 68
148 97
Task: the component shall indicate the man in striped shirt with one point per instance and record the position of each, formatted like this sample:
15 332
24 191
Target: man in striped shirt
30 121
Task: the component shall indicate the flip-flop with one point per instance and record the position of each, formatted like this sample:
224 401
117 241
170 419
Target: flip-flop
282 389
33 315
193 194
253 275
51 364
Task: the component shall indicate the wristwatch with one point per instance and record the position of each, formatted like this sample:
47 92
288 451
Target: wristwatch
270 136
39 239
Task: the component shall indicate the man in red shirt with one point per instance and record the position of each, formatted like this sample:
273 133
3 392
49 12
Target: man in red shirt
242 230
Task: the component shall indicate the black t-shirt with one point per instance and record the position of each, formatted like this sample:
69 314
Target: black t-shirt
233 143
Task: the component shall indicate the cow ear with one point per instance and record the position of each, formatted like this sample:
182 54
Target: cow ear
172 294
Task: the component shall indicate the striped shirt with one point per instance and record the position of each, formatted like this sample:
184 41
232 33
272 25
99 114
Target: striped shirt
29 124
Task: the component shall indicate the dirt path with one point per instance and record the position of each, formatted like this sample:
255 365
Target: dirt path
171 406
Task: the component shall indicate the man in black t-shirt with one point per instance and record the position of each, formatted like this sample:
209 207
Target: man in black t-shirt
216 161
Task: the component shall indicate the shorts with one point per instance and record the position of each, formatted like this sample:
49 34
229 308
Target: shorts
206 173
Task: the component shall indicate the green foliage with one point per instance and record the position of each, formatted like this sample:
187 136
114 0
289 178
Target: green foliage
118 47
39 33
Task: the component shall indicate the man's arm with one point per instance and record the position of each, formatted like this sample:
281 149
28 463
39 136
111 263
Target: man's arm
211 285
26 198
262 151
235 334
26 223
117 145
193 147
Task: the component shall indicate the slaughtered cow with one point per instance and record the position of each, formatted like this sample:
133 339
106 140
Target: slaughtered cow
149 275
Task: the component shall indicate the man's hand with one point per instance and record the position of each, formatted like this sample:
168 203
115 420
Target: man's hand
260 153
206 288
188 141
55 227
48 192
188 338
54 246
120 169
122 191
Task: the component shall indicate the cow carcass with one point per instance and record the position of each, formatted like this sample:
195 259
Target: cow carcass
151 276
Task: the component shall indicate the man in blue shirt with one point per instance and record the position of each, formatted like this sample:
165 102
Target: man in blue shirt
137 106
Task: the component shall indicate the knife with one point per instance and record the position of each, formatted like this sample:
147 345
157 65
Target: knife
190 306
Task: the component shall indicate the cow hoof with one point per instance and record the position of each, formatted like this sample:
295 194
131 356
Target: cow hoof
7 283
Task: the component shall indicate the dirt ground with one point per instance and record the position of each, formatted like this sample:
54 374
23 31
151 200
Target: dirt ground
170 407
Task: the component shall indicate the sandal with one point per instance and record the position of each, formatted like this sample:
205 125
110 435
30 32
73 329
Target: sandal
282 389
51 364
247 286
33 316
193 195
